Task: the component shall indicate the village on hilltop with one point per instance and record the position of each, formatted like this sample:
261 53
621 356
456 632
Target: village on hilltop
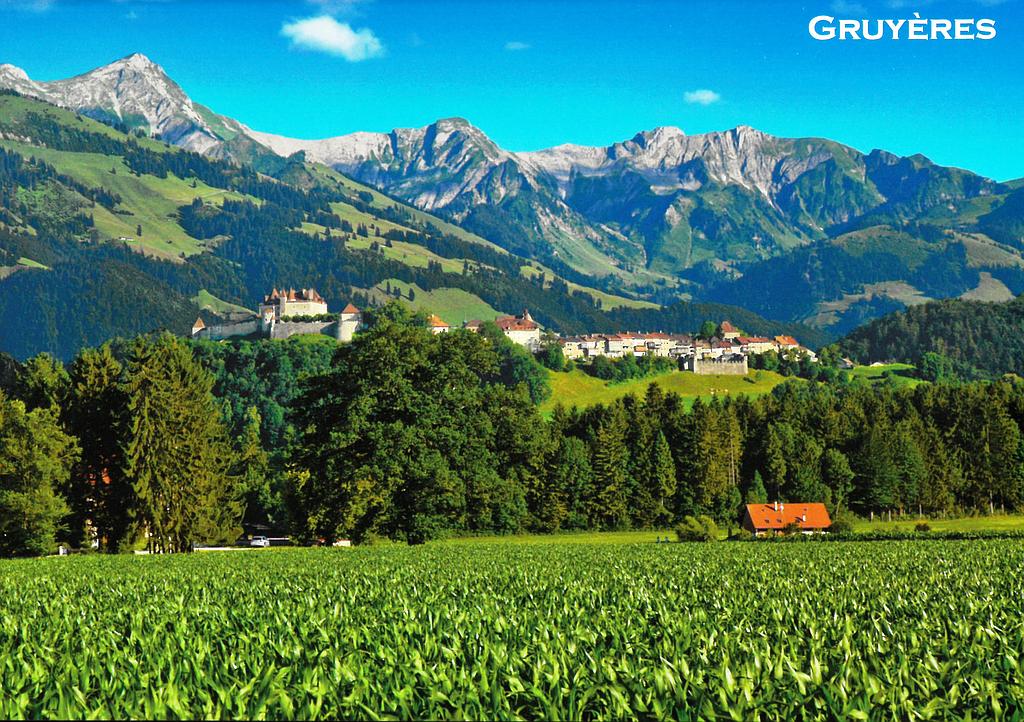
286 313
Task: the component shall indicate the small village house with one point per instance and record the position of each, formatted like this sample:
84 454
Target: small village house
437 325
523 330
810 518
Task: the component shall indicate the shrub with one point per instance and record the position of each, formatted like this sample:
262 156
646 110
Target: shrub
741 534
843 523
699 529
792 528
922 526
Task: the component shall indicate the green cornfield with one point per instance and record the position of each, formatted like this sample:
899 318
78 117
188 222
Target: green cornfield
897 630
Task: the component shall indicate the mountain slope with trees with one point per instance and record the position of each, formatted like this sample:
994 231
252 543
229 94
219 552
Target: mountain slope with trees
979 339
732 216
68 283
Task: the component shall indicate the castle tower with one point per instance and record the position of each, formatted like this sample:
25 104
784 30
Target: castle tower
349 321
267 320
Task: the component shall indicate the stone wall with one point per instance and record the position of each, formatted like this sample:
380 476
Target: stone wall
296 328
216 332
715 367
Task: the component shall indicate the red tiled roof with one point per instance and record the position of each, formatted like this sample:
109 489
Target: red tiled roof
198 324
728 327
515 323
808 516
305 294
350 308
436 322
786 341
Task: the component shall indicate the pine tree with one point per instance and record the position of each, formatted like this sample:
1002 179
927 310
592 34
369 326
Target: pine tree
756 493
661 483
177 452
609 459
99 490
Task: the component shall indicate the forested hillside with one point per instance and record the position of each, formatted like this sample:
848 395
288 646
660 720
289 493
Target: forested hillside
412 436
981 339
106 234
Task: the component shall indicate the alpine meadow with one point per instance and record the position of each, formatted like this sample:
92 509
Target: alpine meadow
384 360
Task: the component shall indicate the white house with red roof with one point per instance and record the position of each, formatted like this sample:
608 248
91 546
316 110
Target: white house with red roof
522 329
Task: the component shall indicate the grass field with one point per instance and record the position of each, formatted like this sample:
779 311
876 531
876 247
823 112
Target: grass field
153 202
579 389
453 305
901 374
207 301
995 522
923 630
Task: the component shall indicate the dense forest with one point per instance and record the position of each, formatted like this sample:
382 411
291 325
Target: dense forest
980 340
409 435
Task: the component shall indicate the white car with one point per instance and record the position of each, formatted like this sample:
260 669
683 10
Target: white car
259 541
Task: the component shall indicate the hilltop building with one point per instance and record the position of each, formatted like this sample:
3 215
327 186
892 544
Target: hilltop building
284 314
305 302
523 330
728 331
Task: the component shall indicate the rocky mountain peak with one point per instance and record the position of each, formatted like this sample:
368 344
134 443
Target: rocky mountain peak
12 71
133 90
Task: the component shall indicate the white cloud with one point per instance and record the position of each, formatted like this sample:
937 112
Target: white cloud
325 34
516 45
702 96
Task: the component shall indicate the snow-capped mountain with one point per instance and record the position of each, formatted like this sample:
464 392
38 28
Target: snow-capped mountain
136 92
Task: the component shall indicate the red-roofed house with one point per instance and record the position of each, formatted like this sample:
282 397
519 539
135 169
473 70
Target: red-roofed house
728 331
437 325
776 517
521 329
756 344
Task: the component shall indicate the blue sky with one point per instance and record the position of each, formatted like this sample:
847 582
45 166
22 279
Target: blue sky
534 74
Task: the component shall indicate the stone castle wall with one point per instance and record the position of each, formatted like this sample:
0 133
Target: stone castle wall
217 332
715 367
295 328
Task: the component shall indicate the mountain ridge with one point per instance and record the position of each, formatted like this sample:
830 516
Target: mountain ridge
662 215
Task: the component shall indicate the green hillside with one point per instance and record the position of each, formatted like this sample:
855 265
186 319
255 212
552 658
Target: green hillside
147 201
576 388
980 338
451 304
103 233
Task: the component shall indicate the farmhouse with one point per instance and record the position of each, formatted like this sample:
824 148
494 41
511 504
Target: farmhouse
776 517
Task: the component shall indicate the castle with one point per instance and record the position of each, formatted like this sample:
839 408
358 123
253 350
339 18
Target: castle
283 314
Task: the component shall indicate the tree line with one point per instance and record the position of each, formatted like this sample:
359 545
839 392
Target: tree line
408 435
